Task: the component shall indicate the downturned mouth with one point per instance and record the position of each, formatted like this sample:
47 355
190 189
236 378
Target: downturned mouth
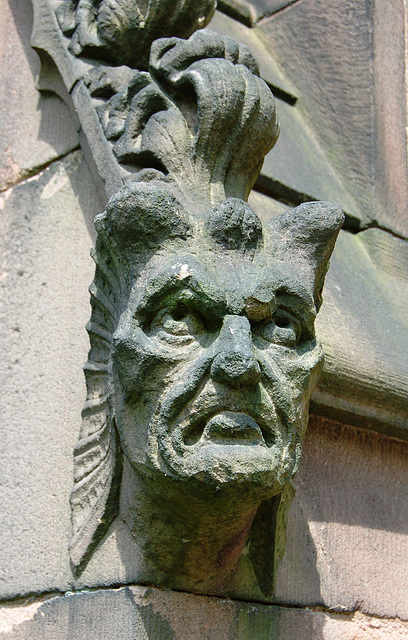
228 428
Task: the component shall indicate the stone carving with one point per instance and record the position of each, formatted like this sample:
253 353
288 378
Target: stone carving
169 121
202 364
203 352
121 31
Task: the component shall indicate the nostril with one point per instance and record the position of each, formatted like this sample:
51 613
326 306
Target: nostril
236 369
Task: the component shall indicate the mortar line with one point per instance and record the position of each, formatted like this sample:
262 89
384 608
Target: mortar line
36 171
45 596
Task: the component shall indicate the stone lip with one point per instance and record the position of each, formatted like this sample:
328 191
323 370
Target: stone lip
229 420
229 427
232 428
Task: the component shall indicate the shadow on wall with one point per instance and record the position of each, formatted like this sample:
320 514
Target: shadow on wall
22 12
297 575
38 128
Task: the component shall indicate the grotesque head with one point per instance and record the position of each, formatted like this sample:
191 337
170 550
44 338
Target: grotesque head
204 354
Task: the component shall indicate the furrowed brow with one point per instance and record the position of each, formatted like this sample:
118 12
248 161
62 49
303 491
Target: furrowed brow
180 280
303 306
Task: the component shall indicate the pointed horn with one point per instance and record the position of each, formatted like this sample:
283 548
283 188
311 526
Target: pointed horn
306 236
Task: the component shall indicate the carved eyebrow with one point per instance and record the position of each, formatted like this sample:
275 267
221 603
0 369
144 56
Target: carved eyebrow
302 300
177 279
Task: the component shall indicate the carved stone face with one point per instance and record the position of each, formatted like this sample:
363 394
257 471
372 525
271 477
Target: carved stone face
203 359
212 366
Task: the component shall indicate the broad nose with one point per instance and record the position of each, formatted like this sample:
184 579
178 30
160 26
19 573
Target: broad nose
235 364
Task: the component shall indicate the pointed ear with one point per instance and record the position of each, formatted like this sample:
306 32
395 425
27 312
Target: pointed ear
305 237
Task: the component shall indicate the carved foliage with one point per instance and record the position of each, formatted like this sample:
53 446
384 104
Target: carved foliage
121 31
202 120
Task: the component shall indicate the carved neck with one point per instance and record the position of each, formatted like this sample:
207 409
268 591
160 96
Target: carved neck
193 542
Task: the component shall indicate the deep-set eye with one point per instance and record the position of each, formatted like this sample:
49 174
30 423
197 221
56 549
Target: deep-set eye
282 328
178 325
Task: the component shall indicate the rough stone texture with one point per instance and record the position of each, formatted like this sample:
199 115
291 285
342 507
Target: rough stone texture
249 13
341 561
229 309
30 122
45 273
43 394
297 168
325 46
347 60
198 378
124 32
347 535
364 328
269 69
151 614
390 43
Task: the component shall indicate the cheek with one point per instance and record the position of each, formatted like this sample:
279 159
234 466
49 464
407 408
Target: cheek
132 360
304 369
301 368
142 365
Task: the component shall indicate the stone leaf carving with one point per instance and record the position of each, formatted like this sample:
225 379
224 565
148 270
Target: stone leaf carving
201 120
122 31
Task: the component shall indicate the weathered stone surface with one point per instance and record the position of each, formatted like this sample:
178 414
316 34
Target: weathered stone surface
365 377
224 431
347 535
364 328
45 272
325 48
203 358
390 89
151 614
265 206
30 122
43 394
249 13
346 59
27 521
270 71
298 168
123 32
348 522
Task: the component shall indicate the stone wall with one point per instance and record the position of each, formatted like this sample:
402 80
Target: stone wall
344 572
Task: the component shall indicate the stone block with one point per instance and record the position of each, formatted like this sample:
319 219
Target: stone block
347 527
297 168
36 127
151 614
325 49
44 305
346 60
347 534
363 328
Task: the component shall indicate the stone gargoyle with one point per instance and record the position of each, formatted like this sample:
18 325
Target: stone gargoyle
203 350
